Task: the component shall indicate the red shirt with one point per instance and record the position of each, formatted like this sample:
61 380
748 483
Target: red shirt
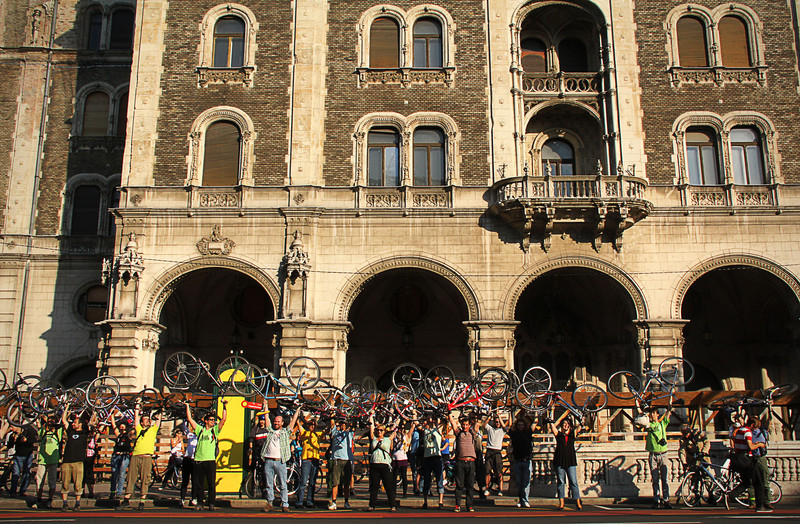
741 438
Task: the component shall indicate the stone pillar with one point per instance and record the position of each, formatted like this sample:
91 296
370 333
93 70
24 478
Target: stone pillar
491 343
130 352
297 266
325 342
659 338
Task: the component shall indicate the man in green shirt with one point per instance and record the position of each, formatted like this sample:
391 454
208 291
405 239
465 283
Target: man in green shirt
656 445
205 454
50 434
142 456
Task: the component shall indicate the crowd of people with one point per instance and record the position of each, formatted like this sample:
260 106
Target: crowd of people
412 456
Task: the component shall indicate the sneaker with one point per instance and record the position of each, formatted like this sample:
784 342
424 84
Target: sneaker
370 508
198 507
394 508
519 504
499 493
194 502
425 505
77 506
125 504
526 504
181 504
211 507
764 510
347 504
64 507
457 509
140 507
666 505
36 504
299 505
486 493
309 504
471 509
768 506
332 505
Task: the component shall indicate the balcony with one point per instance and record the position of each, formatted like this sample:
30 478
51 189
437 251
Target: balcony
586 207
562 85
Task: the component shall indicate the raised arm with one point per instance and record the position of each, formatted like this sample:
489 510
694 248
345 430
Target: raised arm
552 423
136 416
224 416
65 419
371 428
294 420
189 419
452 423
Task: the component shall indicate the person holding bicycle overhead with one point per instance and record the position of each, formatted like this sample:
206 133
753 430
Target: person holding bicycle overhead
656 446
466 455
432 464
205 454
522 449
565 460
380 464
141 463
496 430
275 454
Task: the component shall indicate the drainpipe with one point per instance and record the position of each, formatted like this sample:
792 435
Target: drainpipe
616 122
35 196
291 96
491 90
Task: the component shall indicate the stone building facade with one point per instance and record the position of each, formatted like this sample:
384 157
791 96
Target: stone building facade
585 185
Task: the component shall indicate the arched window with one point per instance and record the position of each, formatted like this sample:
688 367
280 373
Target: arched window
384 46
85 210
383 157
747 158
558 158
222 153
121 35
572 56
95 31
534 56
95 114
93 303
427 43
122 114
429 157
734 42
701 156
229 42
692 46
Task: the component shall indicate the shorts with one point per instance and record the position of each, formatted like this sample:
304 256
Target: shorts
494 462
340 469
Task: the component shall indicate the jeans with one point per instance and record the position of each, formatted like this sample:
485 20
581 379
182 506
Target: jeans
571 473
432 466
522 476
22 472
465 479
658 470
119 469
381 473
50 473
205 470
272 469
308 481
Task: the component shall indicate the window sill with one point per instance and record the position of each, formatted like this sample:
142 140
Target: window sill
718 75
225 75
406 76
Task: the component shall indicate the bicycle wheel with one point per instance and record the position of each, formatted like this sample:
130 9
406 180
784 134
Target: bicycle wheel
536 379
102 392
228 366
676 371
538 402
589 397
368 384
624 385
774 492
726 403
408 376
404 403
778 391
181 370
3 381
303 372
494 381
20 413
46 397
690 492
439 382
248 380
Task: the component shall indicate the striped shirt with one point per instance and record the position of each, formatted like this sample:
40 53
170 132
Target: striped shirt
741 438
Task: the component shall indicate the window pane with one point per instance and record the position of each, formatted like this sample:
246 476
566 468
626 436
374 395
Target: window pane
229 25
734 44
237 52
383 136
221 160
420 48
384 43
121 36
435 50
744 134
95 31
755 165
122 115
693 164
391 166
567 168
427 26
692 48
95 115
375 168
420 166
557 150
572 56
92 304
85 210
220 52
710 175
428 136
533 56
737 163
437 166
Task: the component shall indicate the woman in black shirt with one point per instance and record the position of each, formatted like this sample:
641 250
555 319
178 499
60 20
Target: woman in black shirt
565 460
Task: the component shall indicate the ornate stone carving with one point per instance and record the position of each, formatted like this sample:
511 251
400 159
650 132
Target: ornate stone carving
216 75
215 244
718 75
219 199
753 198
297 258
382 200
406 76
430 200
708 199
37 28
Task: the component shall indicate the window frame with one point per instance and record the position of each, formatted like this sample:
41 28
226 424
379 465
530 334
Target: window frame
106 13
713 142
197 140
238 155
207 73
228 37
759 143
106 185
428 147
427 39
383 147
560 162
115 96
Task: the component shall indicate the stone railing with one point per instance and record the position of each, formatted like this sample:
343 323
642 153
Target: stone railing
404 197
571 187
718 75
561 84
406 76
731 195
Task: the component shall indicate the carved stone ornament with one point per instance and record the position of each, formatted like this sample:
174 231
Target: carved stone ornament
297 259
215 244
130 262
37 28
226 75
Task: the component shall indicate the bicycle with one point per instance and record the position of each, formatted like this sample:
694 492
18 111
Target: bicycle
183 370
16 400
249 380
707 482
586 398
735 402
673 372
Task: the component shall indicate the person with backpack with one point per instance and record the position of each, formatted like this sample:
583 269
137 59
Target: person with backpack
120 456
380 464
432 465
50 434
141 464
205 454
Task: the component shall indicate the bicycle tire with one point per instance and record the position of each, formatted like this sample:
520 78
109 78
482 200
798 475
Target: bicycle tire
21 412
779 391
3 380
46 396
439 382
248 380
676 371
726 403
181 370
408 375
538 402
495 382
690 491
774 492
228 366
404 403
536 379
303 373
594 398
368 384
102 392
624 385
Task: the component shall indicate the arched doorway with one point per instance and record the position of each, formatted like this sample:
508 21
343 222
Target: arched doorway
578 324
743 328
406 315
214 313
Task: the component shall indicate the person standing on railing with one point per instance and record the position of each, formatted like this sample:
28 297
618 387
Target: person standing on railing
205 455
565 459
50 434
465 456
522 449
495 433
656 446
120 456
380 464
141 464
276 454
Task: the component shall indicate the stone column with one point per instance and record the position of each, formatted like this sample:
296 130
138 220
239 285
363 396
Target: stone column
325 342
492 343
129 354
659 338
